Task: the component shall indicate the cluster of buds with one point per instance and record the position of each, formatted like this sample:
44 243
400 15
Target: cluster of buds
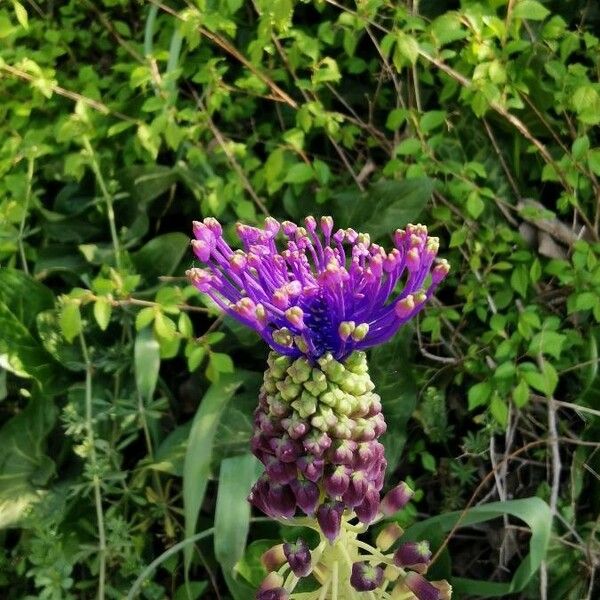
381 571
316 430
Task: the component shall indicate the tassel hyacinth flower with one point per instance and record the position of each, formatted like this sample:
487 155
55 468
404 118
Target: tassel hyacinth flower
320 298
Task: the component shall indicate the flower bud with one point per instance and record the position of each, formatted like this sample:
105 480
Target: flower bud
298 557
444 588
311 467
295 315
344 452
202 249
388 536
307 495
366 577
273 581
280 472
281 500
286 449
329 517
367 510
396 499
316 442
273 558
413 555
357 489
337 482
420 587
273 594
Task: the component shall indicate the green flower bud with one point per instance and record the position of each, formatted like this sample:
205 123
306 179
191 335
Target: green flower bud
317 383
288 389
299 370
278 365
357 363
306 405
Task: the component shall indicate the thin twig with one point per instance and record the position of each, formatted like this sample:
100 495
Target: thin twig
91 442
110 211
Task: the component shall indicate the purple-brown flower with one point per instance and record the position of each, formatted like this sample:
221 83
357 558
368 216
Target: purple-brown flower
318 291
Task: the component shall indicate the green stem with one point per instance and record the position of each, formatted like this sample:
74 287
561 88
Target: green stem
95 478
107 198
30 164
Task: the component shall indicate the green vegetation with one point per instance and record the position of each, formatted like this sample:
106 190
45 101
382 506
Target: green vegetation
126 399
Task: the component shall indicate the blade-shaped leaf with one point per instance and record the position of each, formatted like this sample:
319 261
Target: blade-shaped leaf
147 363
232 518
196 466
533 511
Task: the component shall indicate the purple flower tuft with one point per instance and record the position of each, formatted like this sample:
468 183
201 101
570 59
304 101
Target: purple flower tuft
321 292
366 577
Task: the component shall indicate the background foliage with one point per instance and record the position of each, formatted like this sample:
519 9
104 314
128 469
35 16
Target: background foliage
126 400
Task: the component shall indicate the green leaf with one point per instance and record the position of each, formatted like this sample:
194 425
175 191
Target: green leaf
519 280
432 120
161 255
102 312
21 14
408 48
299 173
530 9
533 511
547 342
594 160
478 394
521 394
221 362
145 317
475 205
164 327
198 456
70 320
22 354
544 381
499 410
232 517
24 468
24 296
327 70
146 356
586 301
387 205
